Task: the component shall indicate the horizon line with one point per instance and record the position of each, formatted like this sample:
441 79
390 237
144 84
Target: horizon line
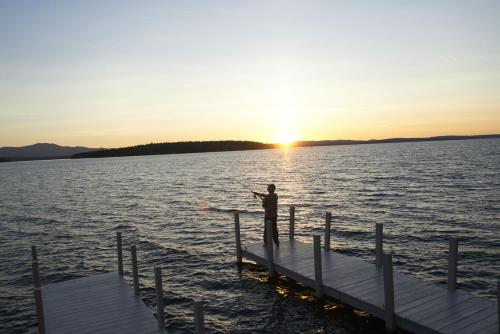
268 143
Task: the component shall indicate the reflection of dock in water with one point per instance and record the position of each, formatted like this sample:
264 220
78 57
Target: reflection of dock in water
401 300
102 303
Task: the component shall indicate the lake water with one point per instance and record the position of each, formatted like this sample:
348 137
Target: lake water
178 209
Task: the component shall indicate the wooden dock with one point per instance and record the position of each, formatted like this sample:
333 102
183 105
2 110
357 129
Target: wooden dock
401 300
97 304
102 303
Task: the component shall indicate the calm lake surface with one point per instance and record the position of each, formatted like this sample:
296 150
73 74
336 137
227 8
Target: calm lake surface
178 210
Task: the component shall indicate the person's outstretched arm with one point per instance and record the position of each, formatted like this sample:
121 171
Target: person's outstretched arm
259 194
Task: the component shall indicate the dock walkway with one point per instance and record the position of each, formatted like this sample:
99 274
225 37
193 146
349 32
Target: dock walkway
102 303
401 300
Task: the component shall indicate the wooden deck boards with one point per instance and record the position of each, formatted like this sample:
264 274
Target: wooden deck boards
96 304
420 307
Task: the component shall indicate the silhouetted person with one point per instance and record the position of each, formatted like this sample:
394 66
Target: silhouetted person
270 205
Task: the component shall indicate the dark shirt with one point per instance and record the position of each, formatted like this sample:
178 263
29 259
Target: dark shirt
270 205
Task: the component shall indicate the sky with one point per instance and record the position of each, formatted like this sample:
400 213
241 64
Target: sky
120 73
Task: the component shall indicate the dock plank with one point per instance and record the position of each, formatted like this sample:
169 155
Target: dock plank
459 313
479 322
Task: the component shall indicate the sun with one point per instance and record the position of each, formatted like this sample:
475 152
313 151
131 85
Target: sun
285 131
284 138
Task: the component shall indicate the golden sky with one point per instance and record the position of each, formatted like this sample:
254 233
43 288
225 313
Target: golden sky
124 73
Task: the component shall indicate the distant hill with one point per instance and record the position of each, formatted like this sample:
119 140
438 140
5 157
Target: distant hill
40 151
389 140
177 148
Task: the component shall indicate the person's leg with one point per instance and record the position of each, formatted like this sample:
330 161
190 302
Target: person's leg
265 230
275 231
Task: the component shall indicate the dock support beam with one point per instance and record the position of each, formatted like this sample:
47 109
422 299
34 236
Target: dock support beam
199 319
498 304
269 247
291 225
318 270
159 298
238 237
388 292
328 228
37 292
379 243
119 252
135 270
452 264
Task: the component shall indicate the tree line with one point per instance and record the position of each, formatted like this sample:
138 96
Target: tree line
176 148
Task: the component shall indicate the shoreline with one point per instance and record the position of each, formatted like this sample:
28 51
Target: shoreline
144 150
194 147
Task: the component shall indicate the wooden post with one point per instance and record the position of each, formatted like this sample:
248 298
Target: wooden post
119 252
388 292
238 237
135 270
34 256
318 271
379 243
36 274
452 264
199 319
328 225
498 305
159 298
291 225
37 291
269 247
39 310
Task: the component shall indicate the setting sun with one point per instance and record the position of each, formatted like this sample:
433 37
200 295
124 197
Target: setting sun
285 138
286 133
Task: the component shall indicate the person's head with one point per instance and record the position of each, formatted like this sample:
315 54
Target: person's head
271 188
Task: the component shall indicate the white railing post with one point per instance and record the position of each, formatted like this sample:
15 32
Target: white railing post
36 274
39 310
37 292
318 270
238 237
291 225
379 243
135 269
159 297
34 256
119 252
199 319
498 305
328 228
452 264
269 247
388 292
